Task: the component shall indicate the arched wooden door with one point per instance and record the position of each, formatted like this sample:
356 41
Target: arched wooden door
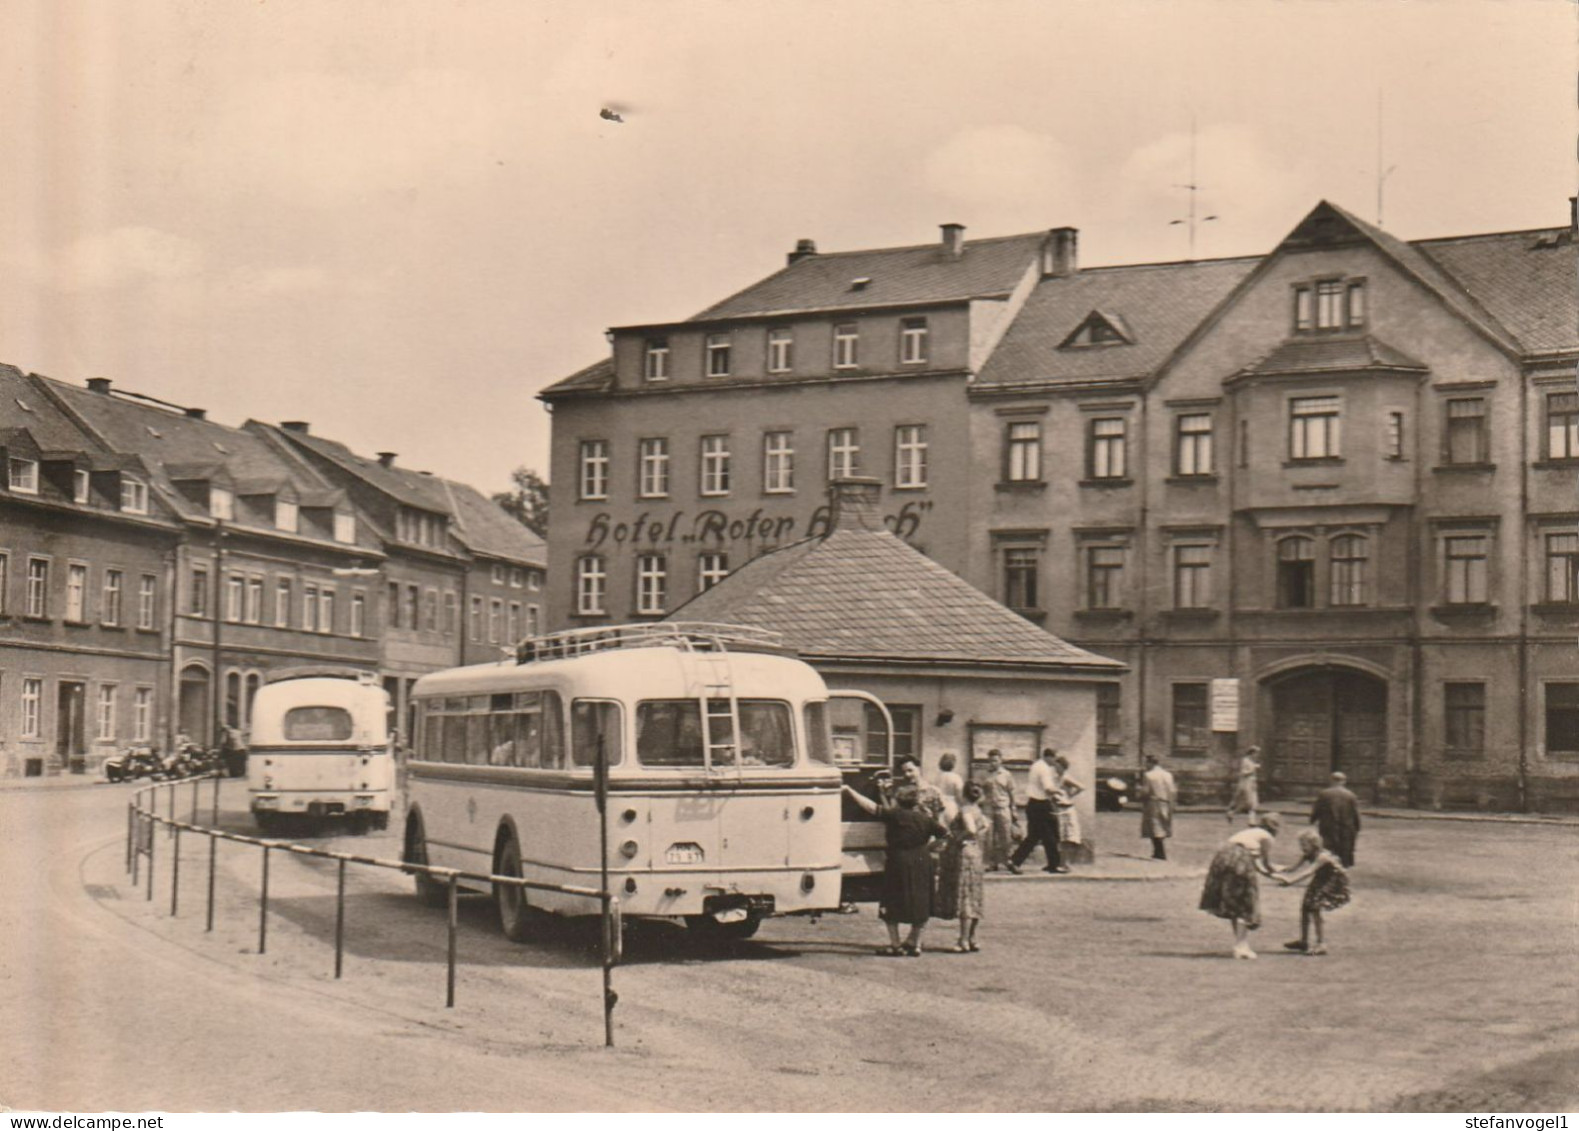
1326 720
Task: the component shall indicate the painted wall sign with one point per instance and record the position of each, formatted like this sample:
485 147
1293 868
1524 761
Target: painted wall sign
1225 705
718 527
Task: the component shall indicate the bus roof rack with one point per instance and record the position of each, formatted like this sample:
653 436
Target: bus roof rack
692 636
320 671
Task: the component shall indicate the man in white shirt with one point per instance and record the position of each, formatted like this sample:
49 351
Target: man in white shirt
1159 794
1041 826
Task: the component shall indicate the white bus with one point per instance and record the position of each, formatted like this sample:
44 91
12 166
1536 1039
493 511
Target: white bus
321 747
722 793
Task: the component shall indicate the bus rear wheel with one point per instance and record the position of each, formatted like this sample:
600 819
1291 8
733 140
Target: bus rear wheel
707 927
514 913
430 893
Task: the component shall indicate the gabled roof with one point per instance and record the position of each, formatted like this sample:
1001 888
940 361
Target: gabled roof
1527 281
1348 354
413 488
1324 222
171 444
485 528
50 429
1159 304
478 523
862 593
921 274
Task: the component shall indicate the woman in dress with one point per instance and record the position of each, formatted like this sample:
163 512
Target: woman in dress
1246 792
1328 890
999 808
1233 889
950 785
908 873
961 878
1064 805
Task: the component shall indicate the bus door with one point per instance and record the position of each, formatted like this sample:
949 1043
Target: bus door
864 755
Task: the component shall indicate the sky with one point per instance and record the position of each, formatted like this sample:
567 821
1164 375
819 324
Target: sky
399 220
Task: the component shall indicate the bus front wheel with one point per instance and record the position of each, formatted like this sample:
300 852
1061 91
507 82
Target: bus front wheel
430 893
510 899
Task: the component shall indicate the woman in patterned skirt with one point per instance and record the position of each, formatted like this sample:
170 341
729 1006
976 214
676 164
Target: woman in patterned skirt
1328 890
962 878
1233 890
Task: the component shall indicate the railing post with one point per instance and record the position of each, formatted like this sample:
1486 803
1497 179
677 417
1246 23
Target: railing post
196 785
339 919
131 831
175 871
213 848
263 905
215 821
137 844
611 927
169 830
449 1001
151 838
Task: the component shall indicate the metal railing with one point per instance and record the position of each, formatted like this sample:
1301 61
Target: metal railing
692 636
142 822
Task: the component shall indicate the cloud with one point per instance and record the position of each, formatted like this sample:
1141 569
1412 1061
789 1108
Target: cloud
1001 169
123 255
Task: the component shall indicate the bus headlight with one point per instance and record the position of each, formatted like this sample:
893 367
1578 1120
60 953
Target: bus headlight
629 849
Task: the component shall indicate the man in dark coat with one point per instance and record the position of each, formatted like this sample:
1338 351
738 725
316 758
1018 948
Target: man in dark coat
1336 816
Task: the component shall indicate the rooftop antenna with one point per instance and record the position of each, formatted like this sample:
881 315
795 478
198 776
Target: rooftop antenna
1382 171
1193 188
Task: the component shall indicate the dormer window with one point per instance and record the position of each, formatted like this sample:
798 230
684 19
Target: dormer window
134 495
81 483
344 527
718 350
1329 305
222 503
1098 329
24 476
286 516
655 360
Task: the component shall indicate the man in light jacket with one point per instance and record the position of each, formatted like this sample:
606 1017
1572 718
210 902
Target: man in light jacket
1159 794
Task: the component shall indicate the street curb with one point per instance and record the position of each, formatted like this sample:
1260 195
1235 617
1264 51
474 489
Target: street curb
1554 819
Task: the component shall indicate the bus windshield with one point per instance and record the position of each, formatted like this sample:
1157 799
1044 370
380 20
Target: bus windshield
317 724
669 733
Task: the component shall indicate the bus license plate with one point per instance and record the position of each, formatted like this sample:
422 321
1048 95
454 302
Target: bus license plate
731 915
684 854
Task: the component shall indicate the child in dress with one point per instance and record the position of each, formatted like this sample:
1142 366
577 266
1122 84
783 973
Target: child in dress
1328 890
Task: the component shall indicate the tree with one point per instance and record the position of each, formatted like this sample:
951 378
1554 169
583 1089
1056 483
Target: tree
527 502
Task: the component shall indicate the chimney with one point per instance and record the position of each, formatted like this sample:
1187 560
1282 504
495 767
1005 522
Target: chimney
300 427
852 504
953 240
386 459
804 249
197 413
99 385
1058 253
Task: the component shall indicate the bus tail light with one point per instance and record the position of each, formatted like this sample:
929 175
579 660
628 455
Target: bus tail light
807 813
629 849
807 882
630 886
628 816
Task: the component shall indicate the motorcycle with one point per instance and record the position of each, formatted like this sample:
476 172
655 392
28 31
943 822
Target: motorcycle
132 764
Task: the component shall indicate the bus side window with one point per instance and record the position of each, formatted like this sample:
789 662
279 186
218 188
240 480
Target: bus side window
475 750
529 738
454 735
501 732
553 731
817 737
591 722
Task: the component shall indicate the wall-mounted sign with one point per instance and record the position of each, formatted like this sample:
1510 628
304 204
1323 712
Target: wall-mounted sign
1019 745
717 527
1225 705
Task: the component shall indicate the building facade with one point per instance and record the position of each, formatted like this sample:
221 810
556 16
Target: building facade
156 566
1322 500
